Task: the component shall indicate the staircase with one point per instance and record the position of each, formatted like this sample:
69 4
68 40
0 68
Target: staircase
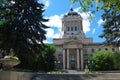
102 76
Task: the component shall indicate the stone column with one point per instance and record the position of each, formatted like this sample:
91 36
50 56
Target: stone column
68 60
78 59
81 59
63 58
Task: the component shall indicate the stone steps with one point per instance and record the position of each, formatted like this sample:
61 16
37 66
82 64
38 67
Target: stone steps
77 77
106 79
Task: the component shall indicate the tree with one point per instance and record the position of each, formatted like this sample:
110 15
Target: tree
111 16
46 60
116 60
101 60
111 27
21 29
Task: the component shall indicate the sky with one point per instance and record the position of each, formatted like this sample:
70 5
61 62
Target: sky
54 11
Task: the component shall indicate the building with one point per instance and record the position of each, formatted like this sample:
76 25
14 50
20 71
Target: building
74 48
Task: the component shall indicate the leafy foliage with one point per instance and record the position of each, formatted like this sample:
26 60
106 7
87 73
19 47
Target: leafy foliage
111 27
21 29
116 60
46 60
100 61
111 16
87 5
104 60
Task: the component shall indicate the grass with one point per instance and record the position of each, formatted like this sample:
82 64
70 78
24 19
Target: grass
55 72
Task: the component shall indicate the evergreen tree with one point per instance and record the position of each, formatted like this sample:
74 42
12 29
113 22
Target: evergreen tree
21 29
111 27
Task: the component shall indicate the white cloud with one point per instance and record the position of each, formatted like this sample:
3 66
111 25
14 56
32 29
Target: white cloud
45 2
86 22
54 21
50 33
45 41
93 31
57 35
100 22
86 26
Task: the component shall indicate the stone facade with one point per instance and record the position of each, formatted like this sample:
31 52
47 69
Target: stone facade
74 48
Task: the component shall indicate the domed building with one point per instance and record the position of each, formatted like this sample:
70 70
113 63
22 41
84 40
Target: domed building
74 48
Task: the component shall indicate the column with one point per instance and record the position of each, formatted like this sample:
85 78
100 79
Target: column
81 59
68 60
78 59
63 58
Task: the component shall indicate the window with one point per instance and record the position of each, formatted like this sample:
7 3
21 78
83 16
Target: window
75 28
106 48
71 28
73 58
99 49
85 51
68 29
85 56
113 49
92 50
59 50
60 57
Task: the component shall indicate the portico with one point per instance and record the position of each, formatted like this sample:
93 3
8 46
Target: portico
72 58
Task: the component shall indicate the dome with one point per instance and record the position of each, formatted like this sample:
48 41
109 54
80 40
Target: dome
72 13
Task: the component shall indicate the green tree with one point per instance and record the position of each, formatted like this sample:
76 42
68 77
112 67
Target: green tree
111 16
111 27
116 60
21 29
46 60
101 60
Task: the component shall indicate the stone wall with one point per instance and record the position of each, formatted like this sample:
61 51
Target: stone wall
12 75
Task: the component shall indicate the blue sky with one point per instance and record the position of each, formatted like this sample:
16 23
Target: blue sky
54 11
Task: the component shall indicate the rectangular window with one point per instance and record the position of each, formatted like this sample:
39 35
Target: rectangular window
99 49
92 50
71 28
106 49
75 28
68 29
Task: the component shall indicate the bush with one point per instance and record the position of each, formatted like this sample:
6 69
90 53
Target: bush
116 60
104 60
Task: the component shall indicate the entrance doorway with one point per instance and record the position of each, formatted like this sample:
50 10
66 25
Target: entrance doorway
72 65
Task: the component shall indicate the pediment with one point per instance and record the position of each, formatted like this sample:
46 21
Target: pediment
73 42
